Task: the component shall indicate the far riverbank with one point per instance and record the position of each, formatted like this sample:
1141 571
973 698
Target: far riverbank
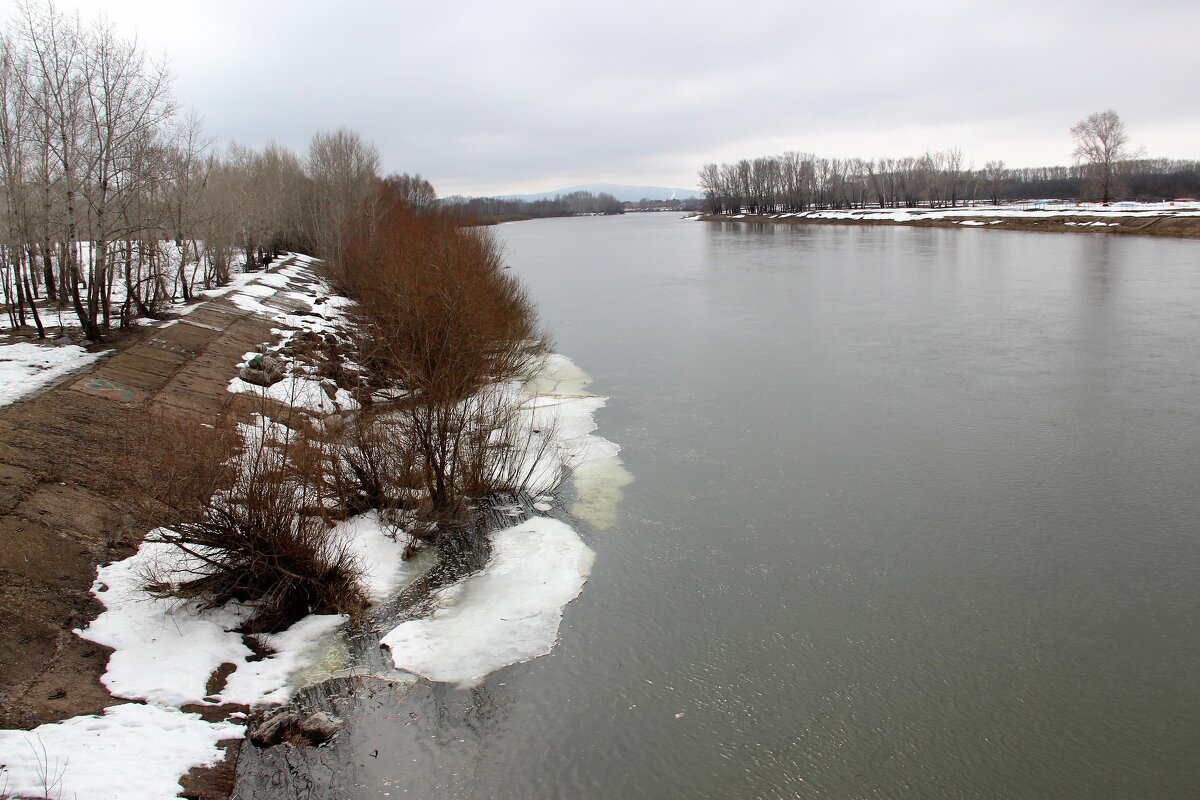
1141 219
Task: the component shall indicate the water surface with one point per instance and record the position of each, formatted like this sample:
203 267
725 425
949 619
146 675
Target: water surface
914 516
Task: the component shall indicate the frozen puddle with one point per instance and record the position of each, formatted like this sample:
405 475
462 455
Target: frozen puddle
507 613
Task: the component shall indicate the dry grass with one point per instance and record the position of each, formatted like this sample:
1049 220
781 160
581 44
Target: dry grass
181 464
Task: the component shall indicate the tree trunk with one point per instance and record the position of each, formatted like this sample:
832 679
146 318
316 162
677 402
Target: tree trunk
37 320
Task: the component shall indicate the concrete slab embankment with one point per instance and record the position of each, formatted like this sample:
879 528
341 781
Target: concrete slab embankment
67 503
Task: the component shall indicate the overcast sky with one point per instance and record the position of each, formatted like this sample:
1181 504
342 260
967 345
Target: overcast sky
498 97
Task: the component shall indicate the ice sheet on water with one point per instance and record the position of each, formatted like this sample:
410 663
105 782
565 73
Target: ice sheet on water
558 375
507 613
560 405
599 486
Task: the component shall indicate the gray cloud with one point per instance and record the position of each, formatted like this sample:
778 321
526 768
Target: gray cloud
515 96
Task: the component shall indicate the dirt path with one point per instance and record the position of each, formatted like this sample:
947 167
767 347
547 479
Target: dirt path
67 503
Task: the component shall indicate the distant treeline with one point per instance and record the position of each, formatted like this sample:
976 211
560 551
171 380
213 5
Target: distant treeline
802 181
649 204
564 205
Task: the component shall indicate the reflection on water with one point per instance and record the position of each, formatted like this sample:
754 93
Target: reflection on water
397 740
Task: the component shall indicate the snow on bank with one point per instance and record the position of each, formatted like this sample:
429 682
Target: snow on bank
1041 209
132 751
164 651
300 392
321 312
27 367
324 314
505 614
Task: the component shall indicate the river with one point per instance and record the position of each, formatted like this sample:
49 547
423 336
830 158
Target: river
914 514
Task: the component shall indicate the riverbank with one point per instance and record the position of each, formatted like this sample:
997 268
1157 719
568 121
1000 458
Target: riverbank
84 638
73 498
68 507
1178 220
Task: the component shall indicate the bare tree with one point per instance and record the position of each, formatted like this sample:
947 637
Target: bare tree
17 258
126 108
91 123
954 169
993 173
189 167
710 184
344 170
55 88
412 190
1102 143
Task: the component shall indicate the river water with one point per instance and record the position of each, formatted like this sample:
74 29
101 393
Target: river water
914 514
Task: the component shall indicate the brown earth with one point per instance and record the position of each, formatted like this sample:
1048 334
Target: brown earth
68 502
1138 225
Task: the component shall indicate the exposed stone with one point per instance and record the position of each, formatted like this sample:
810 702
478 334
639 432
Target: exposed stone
320 727
270 731
262 371
296 728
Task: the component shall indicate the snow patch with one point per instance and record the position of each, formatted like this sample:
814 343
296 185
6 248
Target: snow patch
132 751
163 651
26 367
299 392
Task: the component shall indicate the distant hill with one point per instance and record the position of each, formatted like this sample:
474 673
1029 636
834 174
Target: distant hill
621 191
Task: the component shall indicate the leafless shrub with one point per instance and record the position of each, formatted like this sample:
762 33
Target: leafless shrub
503 453
439 316
372 463
263 539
